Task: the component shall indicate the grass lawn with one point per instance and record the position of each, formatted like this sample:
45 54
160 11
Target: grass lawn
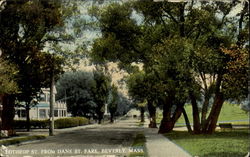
233 143
229 112
139 143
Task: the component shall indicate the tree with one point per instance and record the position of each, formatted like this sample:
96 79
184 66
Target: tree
26 27
142 86
76 88
101 90
176 66
113 102
8 86
124 104
23 41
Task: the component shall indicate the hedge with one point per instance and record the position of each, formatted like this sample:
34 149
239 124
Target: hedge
35 124
59 123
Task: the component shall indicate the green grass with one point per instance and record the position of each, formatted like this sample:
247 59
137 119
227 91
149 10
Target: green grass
140 123
229 112
139 143
233 143
17 140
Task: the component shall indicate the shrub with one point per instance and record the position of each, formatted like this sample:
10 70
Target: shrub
82 121
40 124
65 123
70 122
59 123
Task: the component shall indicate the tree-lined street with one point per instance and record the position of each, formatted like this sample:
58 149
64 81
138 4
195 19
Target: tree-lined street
98 140
99 59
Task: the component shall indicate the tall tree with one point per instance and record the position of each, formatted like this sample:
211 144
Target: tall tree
101 90
76 88
8 86
143 86
113 102
177 66
24 31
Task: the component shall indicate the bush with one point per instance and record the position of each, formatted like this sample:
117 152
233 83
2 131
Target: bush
70 122
65 123
82 120
40 124
59 123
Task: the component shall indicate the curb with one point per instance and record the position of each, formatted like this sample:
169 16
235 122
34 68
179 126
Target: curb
23 139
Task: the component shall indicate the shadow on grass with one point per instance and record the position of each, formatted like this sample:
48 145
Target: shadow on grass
225 154
235 133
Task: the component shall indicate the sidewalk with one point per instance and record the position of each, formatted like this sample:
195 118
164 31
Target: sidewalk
159 146
37 134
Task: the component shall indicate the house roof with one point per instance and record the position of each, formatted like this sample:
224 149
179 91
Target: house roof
42 104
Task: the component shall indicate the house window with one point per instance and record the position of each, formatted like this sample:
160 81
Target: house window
48 97
42 97
61 113
23 113
42 113
64 113
56 113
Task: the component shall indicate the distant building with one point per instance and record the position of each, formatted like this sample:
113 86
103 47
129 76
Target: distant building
42 109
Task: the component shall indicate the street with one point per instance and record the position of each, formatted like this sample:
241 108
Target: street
101 140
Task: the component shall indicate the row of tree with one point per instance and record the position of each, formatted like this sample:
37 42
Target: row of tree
190 51
33 55
30 57
86 94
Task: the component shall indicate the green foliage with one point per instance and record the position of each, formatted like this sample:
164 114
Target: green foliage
101 90
77 89
119 34
85 92
113 99
24 26
59 123
181 45
70 122
35 124
136 86
8 83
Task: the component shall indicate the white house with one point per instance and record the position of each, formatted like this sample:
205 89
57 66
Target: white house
42 109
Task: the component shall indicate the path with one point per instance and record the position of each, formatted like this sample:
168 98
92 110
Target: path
159 146
98 141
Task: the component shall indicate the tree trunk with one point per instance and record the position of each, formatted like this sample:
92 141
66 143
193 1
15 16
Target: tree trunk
166 126
212 119
182 20
100 117
152 115
168 122
214 115
27 117
142 109
111 117
204 112
187 120
8 113
196 116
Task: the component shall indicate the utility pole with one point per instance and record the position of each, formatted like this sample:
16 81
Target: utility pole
52 84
